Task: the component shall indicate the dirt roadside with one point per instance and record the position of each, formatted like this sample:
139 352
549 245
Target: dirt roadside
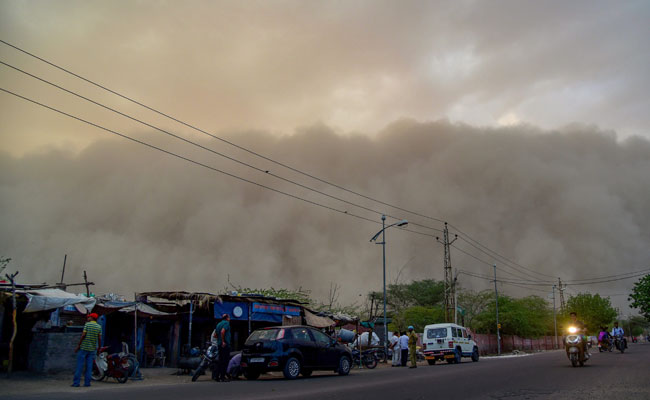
24 382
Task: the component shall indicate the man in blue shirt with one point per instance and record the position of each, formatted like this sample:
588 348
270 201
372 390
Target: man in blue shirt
617 332
222 333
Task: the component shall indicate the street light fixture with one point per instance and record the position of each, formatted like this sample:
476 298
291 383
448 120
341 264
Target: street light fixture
383 245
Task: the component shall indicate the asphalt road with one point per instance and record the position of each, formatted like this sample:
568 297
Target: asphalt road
548 375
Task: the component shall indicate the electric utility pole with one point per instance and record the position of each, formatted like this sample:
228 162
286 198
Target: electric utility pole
450 289
496 294
555 345
561 289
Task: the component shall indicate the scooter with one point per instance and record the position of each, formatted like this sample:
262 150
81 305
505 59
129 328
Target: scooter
113 366
575 347
209 358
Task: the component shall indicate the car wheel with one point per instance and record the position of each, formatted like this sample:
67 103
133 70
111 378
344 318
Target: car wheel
251 375
306 372
292 368
344 365
431 362
475 354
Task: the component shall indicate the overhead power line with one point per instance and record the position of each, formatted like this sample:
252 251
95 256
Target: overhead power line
267 172
503 259
151 146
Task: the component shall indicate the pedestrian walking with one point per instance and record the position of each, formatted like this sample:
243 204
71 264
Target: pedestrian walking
404 346
394 346
412 342
222 332
86 350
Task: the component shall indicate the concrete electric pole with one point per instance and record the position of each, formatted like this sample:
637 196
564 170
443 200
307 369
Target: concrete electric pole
450 288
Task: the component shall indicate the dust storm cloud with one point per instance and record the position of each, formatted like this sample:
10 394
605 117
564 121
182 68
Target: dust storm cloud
571 203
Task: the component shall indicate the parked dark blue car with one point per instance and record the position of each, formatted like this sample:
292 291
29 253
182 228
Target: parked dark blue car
294 350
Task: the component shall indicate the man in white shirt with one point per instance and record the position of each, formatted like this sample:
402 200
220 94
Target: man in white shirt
395 347
617 331
404 346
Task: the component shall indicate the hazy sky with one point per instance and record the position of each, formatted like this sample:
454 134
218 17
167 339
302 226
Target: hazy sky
353 65
516 121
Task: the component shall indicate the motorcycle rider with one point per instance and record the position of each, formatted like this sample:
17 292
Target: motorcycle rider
581 331
618 331
604 339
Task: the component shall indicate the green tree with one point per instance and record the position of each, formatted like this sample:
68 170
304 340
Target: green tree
640 296
593 310
473 304
526 317
425 293
418 316
636 324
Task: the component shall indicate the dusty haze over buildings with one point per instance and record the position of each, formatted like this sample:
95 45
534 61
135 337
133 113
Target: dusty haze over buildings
571 203
523 123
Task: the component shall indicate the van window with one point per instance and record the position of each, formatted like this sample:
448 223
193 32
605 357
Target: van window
454 332
436 333
464 333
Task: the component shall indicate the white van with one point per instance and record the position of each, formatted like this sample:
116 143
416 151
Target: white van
449 342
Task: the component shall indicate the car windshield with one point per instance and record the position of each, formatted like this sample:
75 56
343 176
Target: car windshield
263 334
437 333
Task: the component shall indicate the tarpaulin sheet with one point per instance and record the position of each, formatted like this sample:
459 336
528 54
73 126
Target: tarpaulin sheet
50 299
316 321
143 309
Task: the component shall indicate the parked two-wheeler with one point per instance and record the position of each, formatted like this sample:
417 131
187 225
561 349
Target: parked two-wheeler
620 343
368 358
209 358
575 347
113 366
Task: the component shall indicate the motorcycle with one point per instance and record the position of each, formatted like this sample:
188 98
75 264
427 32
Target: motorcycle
620 343
113 366
575 347
605 345
368 358
209 358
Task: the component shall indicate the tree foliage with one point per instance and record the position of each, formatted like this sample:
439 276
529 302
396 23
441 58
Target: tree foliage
640 296
593 310
425 293
526 317
301 295
418 316
473 304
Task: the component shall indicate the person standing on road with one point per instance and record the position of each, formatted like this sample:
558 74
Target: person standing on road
412 342
394 346
404 346
223 341
86 350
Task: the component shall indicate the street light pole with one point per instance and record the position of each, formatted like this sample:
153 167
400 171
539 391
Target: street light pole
383 251
496 295
383 248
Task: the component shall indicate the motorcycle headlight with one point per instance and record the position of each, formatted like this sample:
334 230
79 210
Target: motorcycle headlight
573 329
573 339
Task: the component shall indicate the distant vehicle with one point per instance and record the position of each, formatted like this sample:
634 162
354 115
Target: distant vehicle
294 350
448 342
